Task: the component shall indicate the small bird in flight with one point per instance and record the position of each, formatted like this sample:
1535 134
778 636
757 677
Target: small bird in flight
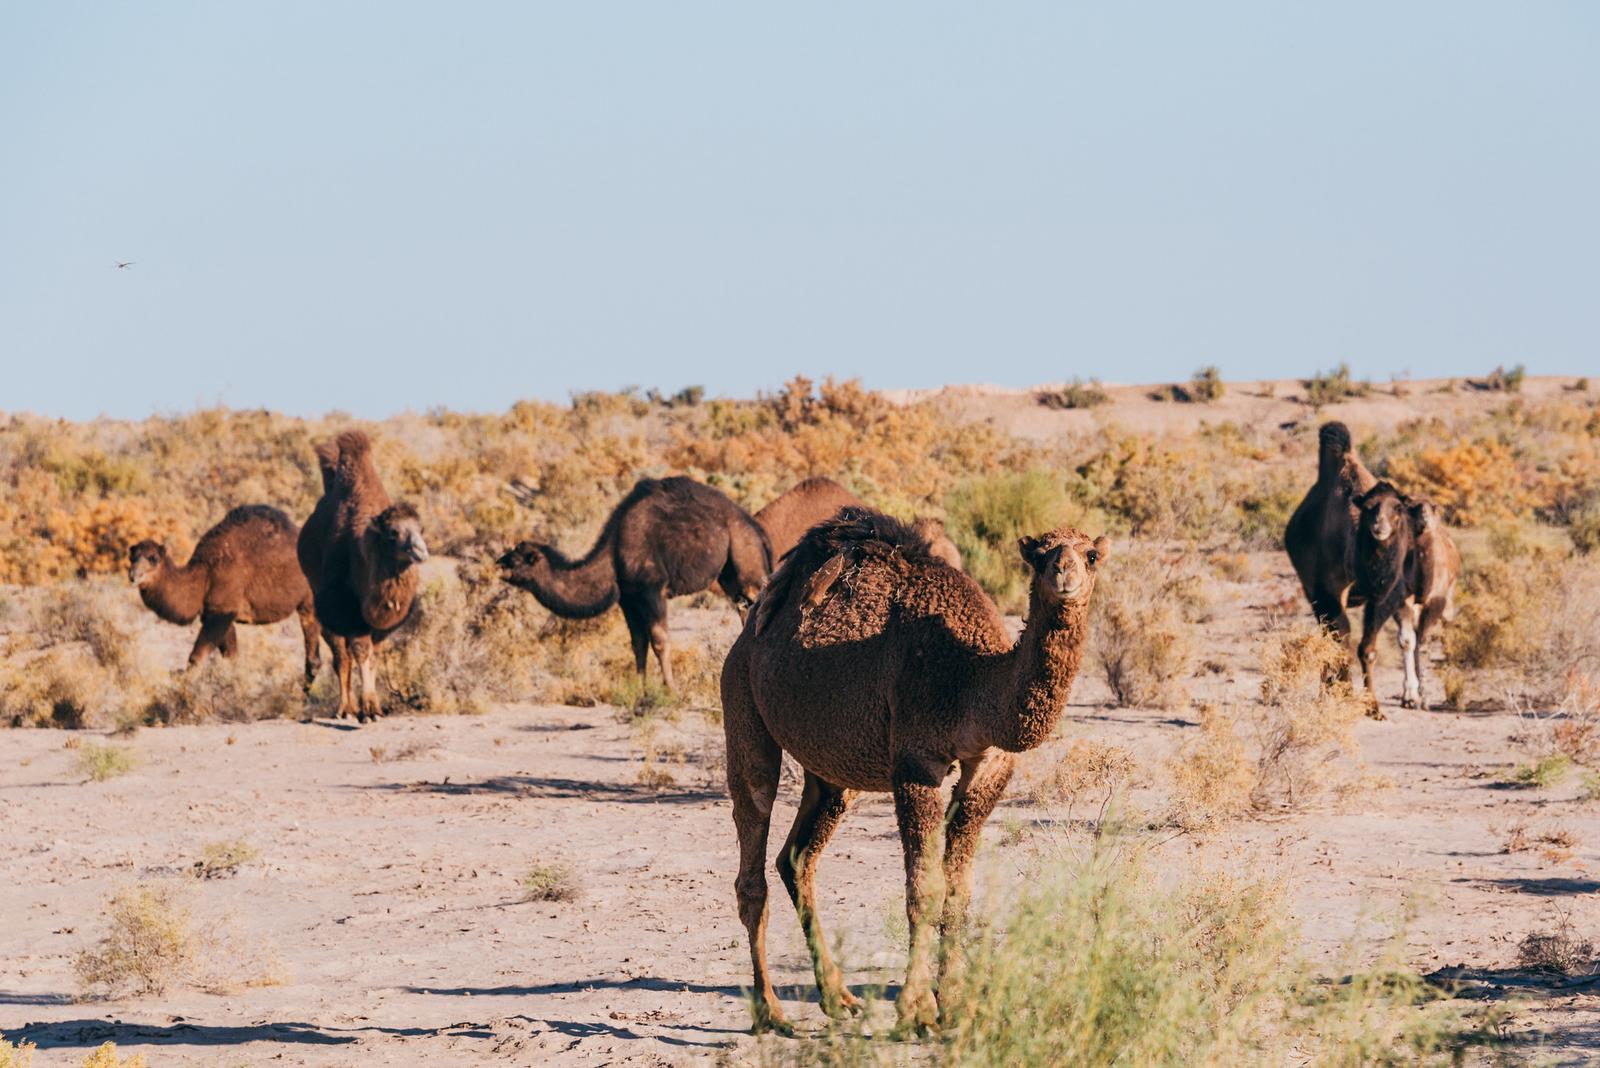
123 265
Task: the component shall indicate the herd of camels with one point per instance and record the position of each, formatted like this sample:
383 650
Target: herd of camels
866 653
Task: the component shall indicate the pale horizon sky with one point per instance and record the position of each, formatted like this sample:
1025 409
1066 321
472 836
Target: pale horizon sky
374 207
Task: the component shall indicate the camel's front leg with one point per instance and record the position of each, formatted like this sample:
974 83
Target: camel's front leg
311 631
983 782
365 654
1407 620
343 663
921 818
213 637
1368 652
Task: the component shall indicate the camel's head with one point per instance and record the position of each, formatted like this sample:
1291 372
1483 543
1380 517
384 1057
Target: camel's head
1385 511
517 565
398 533
144 560
1064 563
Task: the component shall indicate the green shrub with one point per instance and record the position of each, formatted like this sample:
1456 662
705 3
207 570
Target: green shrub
986 516
1331 387
101 762
550 882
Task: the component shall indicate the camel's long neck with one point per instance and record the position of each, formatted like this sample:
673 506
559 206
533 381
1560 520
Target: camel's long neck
387 589
177 594
576 590
1033 681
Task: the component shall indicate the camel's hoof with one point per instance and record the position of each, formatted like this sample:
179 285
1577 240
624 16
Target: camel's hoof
1408 702
774 1022
842 1006
919 1016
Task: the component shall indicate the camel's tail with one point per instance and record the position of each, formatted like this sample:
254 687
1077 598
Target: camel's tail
1335 446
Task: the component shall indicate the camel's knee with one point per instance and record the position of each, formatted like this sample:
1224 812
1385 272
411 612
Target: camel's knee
751 890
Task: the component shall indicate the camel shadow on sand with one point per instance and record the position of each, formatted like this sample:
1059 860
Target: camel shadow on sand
535 786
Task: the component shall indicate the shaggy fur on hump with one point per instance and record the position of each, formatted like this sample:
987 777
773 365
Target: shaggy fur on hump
822 555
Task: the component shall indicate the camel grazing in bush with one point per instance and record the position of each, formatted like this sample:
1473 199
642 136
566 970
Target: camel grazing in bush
243 571
1406 567
668 537
1321 534
881 668
808 503
359 551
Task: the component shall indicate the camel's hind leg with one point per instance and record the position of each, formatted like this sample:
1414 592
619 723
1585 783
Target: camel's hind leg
638 631
214 635
754 762
1409 655
653 608
822 806
982 783
1433 612
311 631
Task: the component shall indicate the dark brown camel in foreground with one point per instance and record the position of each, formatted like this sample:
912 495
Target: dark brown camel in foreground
359 551
243 571
881 668
668 537
805 504
1321 534
1406 565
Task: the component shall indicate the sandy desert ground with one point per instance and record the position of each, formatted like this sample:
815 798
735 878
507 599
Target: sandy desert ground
387 898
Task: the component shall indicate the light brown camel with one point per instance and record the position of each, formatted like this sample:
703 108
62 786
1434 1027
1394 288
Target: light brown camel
1321 534
243 571
359 552
668 537
1406 565
880 668
805 504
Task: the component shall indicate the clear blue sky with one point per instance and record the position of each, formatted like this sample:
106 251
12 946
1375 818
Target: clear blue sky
376 206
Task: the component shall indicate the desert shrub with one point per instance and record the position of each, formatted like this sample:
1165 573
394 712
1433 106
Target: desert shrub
1098 962
1156 489
1470 482
986 516
1304 726
1142 624
1075 394
1526 626
1212 775
101 762
1331 387
149 945
550 882
106 1055
255 683
1584 528
1087 769
16 1056
222 859
1558 951
1204 387
1501 380
1542 773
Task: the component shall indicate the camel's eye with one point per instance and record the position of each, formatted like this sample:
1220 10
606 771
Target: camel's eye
1093 556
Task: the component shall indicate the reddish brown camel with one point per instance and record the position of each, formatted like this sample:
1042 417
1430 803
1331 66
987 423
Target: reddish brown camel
668 537
880 668
243 571
359 551
805 504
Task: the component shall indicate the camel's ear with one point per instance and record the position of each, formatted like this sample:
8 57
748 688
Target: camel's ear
1099 550
1030 549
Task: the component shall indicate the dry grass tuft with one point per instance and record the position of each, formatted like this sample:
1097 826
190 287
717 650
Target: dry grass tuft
106 1055
1213 778
1304 726
1558 951
412 750
255 683
223 859
1087 769
551 882
98 763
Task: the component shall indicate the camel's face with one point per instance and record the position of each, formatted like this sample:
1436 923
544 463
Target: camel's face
518 564
1383 510
399 535
1065 563
144 560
